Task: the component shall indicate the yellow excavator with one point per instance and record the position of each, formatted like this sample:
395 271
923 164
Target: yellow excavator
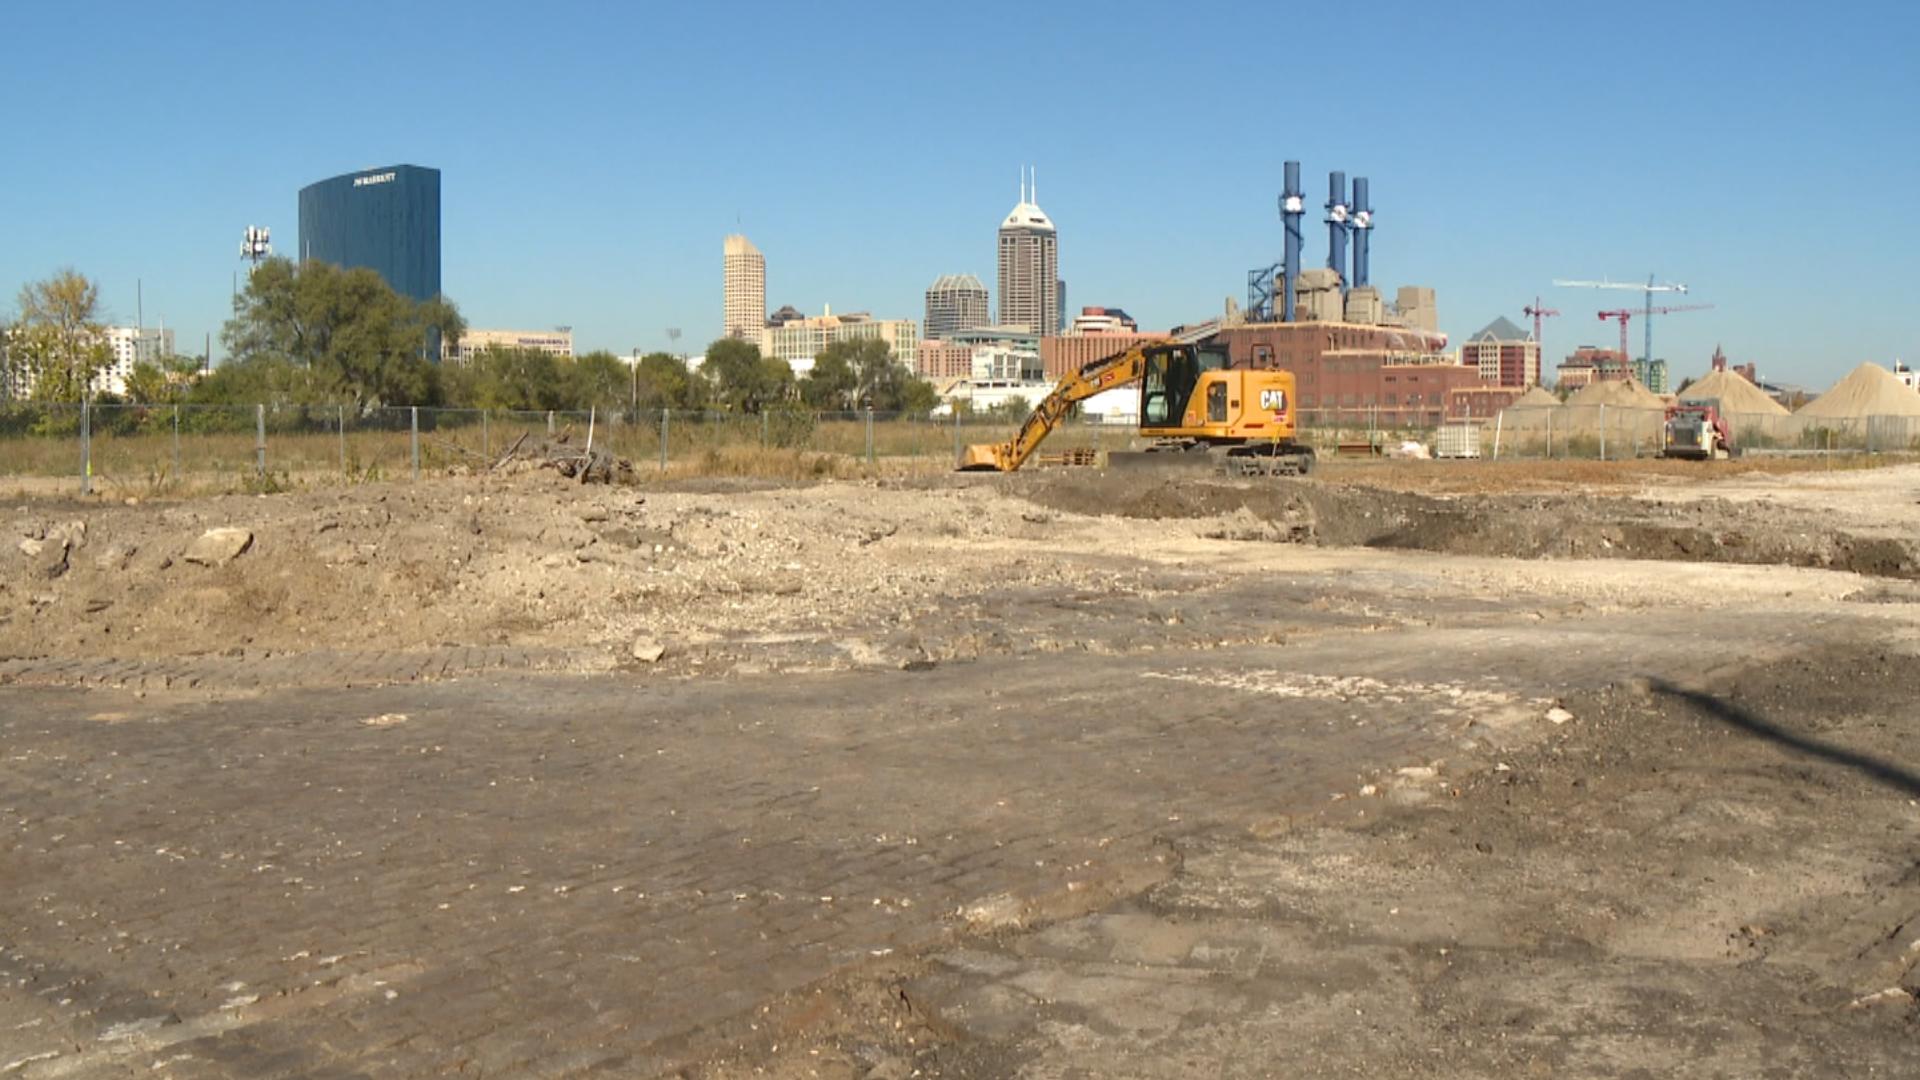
1194 409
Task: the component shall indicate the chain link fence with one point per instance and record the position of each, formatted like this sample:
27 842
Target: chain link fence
147 449
1604 432
150 449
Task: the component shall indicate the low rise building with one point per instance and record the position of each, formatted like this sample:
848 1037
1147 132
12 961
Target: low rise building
1590 365
1062 356
1102 320
940 361
799 341
472 343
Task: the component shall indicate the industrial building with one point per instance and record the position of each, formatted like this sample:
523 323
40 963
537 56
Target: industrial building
1352 354
799 341
385 219
744 290
1029 262
472 343
955 302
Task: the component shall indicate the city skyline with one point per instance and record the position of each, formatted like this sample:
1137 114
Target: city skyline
1717 154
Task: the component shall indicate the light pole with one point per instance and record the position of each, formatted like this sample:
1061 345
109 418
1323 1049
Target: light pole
635 405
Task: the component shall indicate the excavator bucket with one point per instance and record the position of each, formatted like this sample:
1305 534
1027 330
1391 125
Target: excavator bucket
983 457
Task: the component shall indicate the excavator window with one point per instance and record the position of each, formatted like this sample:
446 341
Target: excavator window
1168 384
1217 403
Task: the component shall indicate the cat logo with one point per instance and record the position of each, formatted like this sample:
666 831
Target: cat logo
1274 401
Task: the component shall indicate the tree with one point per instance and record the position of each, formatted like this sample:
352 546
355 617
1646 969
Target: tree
359 341
664 382
883 383
501 377
58 344
831 383
742 379
597 380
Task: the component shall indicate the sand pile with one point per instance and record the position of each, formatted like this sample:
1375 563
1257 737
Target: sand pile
1735 394
1536 397
1870 390
1623 394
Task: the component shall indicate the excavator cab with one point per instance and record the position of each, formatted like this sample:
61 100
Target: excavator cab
1172 373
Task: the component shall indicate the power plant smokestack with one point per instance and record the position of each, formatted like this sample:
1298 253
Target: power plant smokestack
1337 226
1293 207
1362 226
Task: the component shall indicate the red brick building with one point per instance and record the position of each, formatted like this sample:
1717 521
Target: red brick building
1591 365
1480 402
940 360
1386 375
1503 354
1062 355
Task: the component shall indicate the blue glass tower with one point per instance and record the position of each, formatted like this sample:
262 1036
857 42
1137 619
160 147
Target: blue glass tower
385 219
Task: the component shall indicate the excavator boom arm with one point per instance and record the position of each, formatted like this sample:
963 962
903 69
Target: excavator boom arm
1128 367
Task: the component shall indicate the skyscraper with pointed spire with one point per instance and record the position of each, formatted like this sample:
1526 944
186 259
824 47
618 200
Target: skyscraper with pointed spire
1029 260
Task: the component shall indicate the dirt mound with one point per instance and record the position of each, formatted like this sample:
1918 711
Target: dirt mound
1575 526
1869 390
1625 394
1734 393
1536 397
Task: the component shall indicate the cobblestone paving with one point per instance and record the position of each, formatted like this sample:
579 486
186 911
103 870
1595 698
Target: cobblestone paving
541 875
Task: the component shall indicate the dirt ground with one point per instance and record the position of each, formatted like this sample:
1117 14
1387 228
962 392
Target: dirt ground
1456 769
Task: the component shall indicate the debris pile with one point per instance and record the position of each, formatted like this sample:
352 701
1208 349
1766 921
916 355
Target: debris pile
586 464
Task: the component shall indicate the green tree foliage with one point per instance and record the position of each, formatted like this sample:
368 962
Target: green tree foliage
597 380
744 381
864 374
665 383
501 377
830 385
57 343
359 341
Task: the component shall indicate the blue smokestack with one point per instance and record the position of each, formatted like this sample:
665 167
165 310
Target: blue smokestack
1292 208
1362 228
1337 226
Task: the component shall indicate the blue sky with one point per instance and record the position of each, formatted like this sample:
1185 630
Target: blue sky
594 155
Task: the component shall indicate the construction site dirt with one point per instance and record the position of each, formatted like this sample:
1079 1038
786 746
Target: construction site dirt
1404 769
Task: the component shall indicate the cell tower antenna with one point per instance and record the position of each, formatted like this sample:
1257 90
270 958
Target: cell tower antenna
256 244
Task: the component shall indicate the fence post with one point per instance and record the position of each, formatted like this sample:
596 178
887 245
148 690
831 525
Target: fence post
86 446
956 433
1550 413
663 439
413 437
1497 422
176 443
869 435
340 422
260 441
763 429
549 423
1603 431
486 447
